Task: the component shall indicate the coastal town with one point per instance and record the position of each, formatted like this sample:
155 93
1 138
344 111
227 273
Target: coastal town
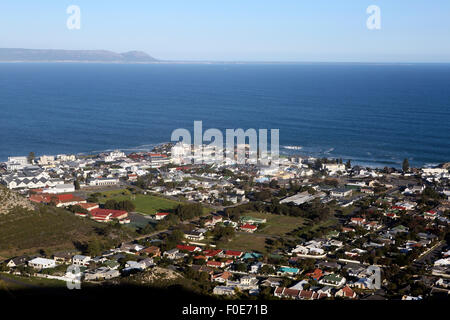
307 229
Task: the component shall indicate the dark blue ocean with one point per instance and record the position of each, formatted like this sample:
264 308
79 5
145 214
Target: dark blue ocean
376 115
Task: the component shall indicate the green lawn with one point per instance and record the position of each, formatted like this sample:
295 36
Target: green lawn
14 282
146 204
324 224
277 225
247 242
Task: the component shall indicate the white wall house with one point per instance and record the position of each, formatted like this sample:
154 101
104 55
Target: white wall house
30 180
42 263
60 188
80 260
103 182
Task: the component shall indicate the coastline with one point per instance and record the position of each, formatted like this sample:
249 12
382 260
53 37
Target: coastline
372 163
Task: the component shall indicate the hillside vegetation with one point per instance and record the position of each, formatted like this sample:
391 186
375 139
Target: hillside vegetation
50 229
10 200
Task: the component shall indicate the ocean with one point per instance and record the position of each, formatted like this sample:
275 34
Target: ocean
373 114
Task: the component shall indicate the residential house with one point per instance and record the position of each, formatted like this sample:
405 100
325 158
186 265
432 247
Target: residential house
288 271
232 254
196 235
17 261
152 251
188 248
346 292
80 260
248 228
223 290
63 257
161 215
222 277
215 264
42 263
102 273
272 282
316 274
332 280
341 192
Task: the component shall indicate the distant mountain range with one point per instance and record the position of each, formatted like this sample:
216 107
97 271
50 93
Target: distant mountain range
51 55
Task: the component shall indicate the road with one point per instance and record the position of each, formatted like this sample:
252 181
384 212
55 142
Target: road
429 256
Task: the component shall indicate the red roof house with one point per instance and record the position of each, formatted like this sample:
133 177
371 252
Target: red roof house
105 215
233 254
316 274
248 228
211 253
188 248
215 264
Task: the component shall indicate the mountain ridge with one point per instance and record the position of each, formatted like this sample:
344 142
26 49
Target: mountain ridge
60 55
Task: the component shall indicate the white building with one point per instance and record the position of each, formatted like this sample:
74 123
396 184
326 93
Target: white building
42 263
46 160
223 290
64 158
181 153
333 167
434 171
114 155
30 179
103 182
80 260
60 188
299 198
341 192
16 163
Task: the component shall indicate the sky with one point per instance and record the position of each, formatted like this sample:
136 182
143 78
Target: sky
236 30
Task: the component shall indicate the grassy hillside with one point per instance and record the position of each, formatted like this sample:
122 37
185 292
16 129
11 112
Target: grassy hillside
52 229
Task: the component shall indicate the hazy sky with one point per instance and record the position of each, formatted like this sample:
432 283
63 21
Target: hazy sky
269 30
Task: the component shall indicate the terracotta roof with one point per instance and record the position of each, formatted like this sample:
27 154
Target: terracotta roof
211 253
103 213
233 253
348 292
187 248
248 226
214 264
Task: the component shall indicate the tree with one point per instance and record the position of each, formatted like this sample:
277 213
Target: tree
31 157
222 233
273 184
242 267
93 198
405 165
262 195
110 204
176 236
77 209
266 269
126 205
348 165
94 247
188 211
